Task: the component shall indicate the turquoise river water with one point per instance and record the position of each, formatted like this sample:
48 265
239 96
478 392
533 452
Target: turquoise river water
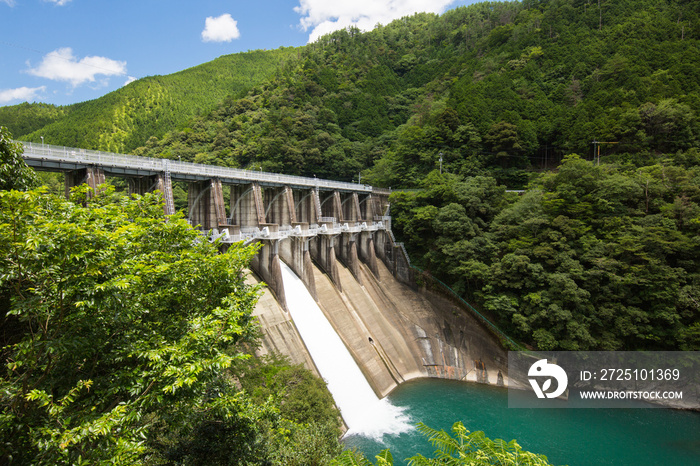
577 437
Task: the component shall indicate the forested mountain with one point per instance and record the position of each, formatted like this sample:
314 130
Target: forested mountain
496 87
128 117
24 118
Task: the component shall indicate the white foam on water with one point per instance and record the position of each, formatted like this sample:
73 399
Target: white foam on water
364 413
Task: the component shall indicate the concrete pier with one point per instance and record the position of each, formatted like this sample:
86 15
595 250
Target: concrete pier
92 176
144 184
296 253
266 264
323 253
366 251
206 204
247 205
347 252
279 205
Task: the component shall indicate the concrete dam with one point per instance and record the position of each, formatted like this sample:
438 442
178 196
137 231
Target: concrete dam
395 332
336 237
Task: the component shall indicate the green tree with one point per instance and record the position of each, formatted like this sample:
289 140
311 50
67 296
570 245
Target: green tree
503 138
14 172
668 125
116 322
465 448
302 397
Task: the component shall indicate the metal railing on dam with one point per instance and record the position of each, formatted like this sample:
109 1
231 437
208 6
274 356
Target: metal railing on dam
51 157
250 234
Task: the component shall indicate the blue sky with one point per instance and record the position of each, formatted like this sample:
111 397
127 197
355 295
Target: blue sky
68 51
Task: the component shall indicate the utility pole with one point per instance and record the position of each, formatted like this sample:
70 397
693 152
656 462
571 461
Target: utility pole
596 153
441 163
595 144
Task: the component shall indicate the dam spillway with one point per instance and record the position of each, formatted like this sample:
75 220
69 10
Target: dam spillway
415 333
363 412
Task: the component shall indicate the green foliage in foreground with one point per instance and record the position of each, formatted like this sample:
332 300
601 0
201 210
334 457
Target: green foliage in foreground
465 448
460 448
113 319
124 336
14 172
589 258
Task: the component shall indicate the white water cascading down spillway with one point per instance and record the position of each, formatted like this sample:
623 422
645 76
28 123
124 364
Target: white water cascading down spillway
363 412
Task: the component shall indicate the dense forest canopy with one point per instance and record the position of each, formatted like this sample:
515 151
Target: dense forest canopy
496 88
588 258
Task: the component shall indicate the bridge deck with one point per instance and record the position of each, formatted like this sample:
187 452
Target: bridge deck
57 158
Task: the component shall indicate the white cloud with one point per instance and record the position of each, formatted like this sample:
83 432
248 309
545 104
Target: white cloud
220 29
324 16
21 94
57 2
62 65
129 80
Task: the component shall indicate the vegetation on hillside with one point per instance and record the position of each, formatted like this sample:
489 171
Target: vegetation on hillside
25 118
588 258
126 118
496 88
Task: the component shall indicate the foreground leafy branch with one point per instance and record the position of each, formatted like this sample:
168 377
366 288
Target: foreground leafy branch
459 448
463 447
113 320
